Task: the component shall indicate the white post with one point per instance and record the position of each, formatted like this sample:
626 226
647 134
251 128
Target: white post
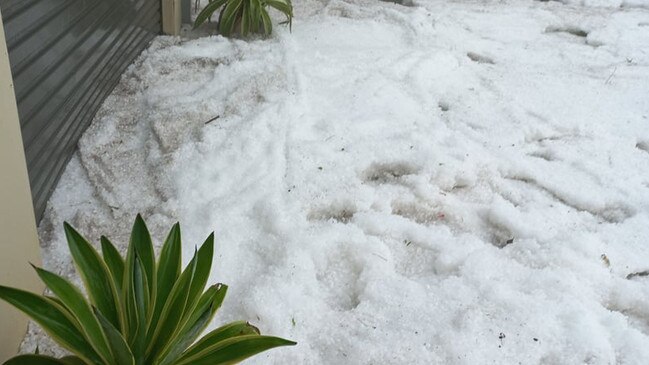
171 17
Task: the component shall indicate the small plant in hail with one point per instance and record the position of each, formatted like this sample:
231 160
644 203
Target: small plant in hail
139 311
245 17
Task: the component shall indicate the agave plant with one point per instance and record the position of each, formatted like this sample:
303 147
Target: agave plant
138 311
245 17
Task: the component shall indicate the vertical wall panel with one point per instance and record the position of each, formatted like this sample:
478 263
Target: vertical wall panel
19 243
66 57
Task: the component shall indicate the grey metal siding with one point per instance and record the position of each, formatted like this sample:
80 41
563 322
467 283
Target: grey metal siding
66 57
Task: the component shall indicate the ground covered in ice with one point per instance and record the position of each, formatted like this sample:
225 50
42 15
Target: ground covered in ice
460 182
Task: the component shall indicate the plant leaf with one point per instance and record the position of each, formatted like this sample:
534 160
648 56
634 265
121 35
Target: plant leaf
72 360
141 296
235 349
284 6
73 300
245 18
129 311
266 22
207 12
114 261
234 329
253 19
229 17
139 279
209 303
203 265
34 359
169 268
52 319
213 297
95 275
141 240
121 351
62 306
172 313
203 268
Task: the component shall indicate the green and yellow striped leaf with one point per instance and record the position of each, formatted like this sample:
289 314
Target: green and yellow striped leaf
208 11
141 240
173 311
95 275
53 320
34 359
209 303
114 262
235 349
73 300
169 268
234 329
121 352
203 267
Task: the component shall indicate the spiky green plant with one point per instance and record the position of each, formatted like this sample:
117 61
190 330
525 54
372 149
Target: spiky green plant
138 311
245 17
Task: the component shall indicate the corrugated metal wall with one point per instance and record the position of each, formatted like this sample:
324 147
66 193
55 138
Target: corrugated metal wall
66 57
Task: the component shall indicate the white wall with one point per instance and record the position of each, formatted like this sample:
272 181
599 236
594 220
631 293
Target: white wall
18 237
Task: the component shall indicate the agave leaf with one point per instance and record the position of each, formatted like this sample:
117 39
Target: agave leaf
136 295
73 300
181 343
141 240
266 22
169 268
72 360
253 18
245 20
281 5
285 7
249 16
207 12
172 313
121 351
213 296
234 329
62 306
260 19
203 268
129 310
235 349
114 261
53 320
95 275
229 17
34 359
139 283
207 306
141 296
203 264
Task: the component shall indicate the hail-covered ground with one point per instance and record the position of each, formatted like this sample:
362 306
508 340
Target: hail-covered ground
460 182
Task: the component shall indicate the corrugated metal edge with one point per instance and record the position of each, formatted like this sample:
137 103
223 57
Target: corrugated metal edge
105 49
41 195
